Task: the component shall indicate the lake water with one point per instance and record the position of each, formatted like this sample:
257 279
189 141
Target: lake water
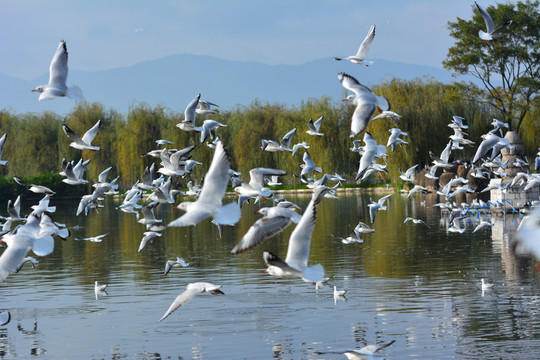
417 286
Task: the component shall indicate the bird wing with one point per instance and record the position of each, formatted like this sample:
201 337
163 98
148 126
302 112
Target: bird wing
58 70
362 116
72 135
11 258
256 176
181 299
300 239
91 134
263 229
318 123
217 177
351 84
364 47
189 112
285 140
487 19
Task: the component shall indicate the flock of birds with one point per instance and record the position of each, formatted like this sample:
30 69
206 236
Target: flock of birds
36 231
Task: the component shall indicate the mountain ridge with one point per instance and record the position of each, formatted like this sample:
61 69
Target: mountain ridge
174 80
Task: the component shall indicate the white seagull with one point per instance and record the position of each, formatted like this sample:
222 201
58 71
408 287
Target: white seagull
84 143
173 263
359 354
295 264
492 32
209 202
188 124
376 206
190 292
366 103
314 127
362 50
58 73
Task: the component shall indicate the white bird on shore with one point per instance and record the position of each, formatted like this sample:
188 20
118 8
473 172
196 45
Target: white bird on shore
174 263
84 143
58 73
190 292
361 54
295 264
209 202
492 32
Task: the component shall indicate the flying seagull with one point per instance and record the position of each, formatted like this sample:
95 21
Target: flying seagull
492 32
190 292
84 143
58 73
362 50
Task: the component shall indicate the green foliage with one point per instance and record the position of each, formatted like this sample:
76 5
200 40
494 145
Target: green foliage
36 143
509 67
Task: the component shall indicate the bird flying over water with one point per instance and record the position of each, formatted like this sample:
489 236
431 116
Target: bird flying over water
190 292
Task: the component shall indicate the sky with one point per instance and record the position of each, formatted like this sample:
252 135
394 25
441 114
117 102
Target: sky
102 35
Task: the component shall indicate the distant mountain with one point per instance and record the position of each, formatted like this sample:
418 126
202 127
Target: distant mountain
174 80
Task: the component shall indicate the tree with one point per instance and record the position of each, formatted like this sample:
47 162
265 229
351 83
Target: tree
507 67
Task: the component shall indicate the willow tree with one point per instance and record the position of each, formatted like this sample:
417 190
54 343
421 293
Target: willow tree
508 67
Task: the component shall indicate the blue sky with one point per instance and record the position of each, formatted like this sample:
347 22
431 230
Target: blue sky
109 34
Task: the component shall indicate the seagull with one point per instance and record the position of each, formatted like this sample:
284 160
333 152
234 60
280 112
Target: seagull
483 225
416 221
394 139
339 292
14 210
204 108
37 189
297 146
149 236
99 289
173 263
188 124
274 221
255 187
394 116
491 33
308 166
163 142
190 292
58 73
33 235
295 264
362 50
408 175
97 238
285 142
315 126
209 202
74 173
358 354
366 103
209 129
376 206
485 285
84 143
2 141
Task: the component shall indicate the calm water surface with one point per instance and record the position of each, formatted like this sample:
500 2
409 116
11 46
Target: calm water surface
416 285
